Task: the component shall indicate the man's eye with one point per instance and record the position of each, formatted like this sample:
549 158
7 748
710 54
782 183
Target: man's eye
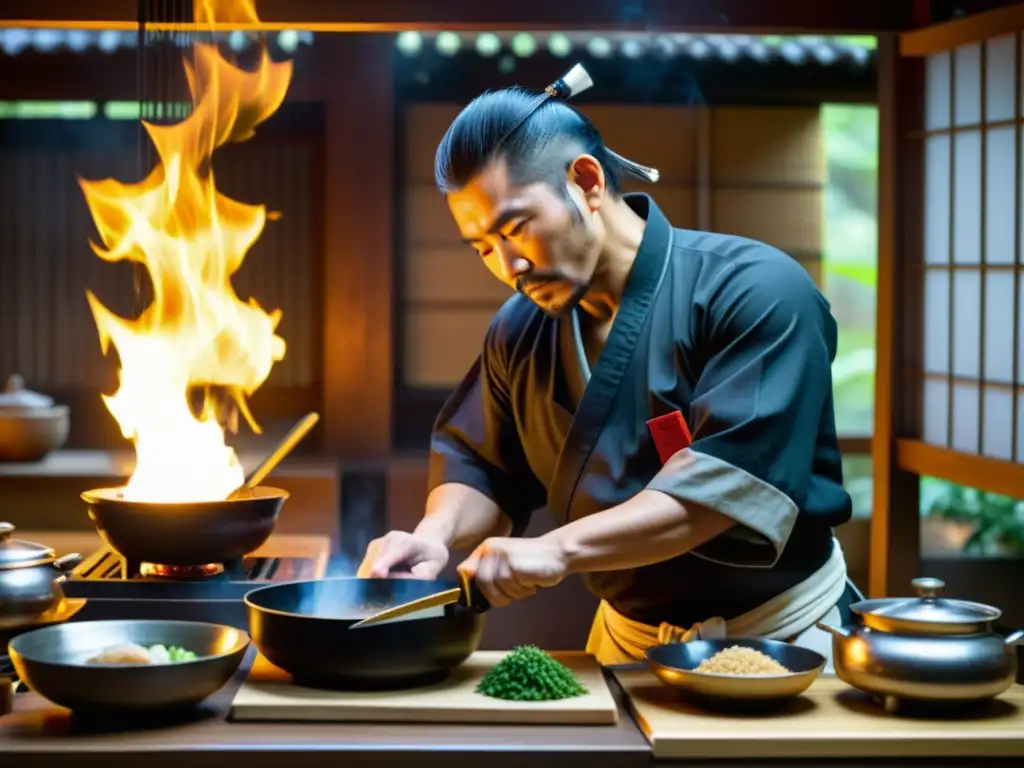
517 229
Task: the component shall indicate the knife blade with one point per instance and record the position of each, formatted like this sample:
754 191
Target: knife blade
466 594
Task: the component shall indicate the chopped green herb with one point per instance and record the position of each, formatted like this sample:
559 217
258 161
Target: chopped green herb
171 653
529 674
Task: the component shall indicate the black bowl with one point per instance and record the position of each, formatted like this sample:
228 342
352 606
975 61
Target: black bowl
53 662
193 533
303 628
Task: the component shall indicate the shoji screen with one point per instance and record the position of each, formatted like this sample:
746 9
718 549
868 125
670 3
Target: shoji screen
972 291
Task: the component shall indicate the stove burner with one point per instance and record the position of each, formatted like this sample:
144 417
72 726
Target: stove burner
105 575
114 587
106 565
183 572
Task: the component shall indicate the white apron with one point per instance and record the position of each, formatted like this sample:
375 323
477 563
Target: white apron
790 617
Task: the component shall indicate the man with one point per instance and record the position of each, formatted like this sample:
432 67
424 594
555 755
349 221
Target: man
620 318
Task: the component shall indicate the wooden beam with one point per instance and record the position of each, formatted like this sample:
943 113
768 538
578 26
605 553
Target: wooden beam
982 472
693 16
113 76
64 77
971 29
359 250
895 528
97 12
855 446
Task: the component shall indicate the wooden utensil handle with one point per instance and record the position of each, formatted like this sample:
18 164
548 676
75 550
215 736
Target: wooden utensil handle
293 438
472 597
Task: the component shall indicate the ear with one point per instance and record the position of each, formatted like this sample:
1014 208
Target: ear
586 173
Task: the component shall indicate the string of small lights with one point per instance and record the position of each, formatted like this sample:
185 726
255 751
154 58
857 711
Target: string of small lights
794 50
15 41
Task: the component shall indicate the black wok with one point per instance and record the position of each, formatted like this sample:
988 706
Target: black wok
193 533
303 628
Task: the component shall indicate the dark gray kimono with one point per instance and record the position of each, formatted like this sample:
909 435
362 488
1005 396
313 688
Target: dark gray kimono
731 332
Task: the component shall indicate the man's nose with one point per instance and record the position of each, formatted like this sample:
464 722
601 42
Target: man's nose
513 266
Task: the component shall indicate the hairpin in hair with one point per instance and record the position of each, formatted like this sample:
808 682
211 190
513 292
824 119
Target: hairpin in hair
573 83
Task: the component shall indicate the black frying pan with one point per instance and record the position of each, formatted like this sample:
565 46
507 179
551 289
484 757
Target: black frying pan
303 628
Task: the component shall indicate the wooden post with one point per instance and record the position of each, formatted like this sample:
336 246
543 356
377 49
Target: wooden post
895 523
358 247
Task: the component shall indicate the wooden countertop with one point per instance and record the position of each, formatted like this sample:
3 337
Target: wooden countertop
43 736
831 720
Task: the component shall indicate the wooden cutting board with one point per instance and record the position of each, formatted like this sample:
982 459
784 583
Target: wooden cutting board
269 695
830 720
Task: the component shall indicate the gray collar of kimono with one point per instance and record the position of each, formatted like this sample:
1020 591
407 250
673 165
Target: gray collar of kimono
592 412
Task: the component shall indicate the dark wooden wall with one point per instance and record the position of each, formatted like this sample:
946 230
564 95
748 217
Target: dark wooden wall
325 161
47 333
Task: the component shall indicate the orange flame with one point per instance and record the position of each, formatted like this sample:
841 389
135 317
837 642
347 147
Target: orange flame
191 239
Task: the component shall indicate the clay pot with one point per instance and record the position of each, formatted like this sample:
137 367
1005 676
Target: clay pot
31 425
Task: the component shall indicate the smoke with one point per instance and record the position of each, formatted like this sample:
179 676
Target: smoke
363 516
346 599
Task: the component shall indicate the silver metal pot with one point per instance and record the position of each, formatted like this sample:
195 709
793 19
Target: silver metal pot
31 578
927 648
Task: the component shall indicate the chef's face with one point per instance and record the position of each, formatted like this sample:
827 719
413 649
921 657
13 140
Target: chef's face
542 241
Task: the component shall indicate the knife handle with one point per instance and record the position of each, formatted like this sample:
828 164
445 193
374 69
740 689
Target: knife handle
472 597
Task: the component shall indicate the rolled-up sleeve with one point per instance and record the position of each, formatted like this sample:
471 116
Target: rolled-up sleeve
475 441
757 409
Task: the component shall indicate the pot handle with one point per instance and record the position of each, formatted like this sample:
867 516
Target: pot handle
67 562
841 632
1016 638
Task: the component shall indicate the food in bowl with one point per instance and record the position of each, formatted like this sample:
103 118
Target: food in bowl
741 661
132 653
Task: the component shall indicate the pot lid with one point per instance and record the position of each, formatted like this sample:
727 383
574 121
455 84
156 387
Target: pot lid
15 552
930 608
14 395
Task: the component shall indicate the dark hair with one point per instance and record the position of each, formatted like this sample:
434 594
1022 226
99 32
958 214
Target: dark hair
540 149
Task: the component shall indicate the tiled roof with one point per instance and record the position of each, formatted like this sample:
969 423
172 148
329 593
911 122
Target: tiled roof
795 50
14 41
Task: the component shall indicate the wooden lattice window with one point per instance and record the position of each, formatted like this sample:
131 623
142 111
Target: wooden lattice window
950 392
971 252
968 269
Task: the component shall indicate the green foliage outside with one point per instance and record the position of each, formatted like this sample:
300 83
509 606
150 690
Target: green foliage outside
850 268
992 524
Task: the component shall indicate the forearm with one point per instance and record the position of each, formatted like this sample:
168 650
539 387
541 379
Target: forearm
462 517
649 528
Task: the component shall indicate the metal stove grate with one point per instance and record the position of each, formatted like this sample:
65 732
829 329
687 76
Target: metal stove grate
105 575
108 565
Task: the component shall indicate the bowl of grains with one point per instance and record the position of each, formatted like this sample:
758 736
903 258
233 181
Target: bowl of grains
737 668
